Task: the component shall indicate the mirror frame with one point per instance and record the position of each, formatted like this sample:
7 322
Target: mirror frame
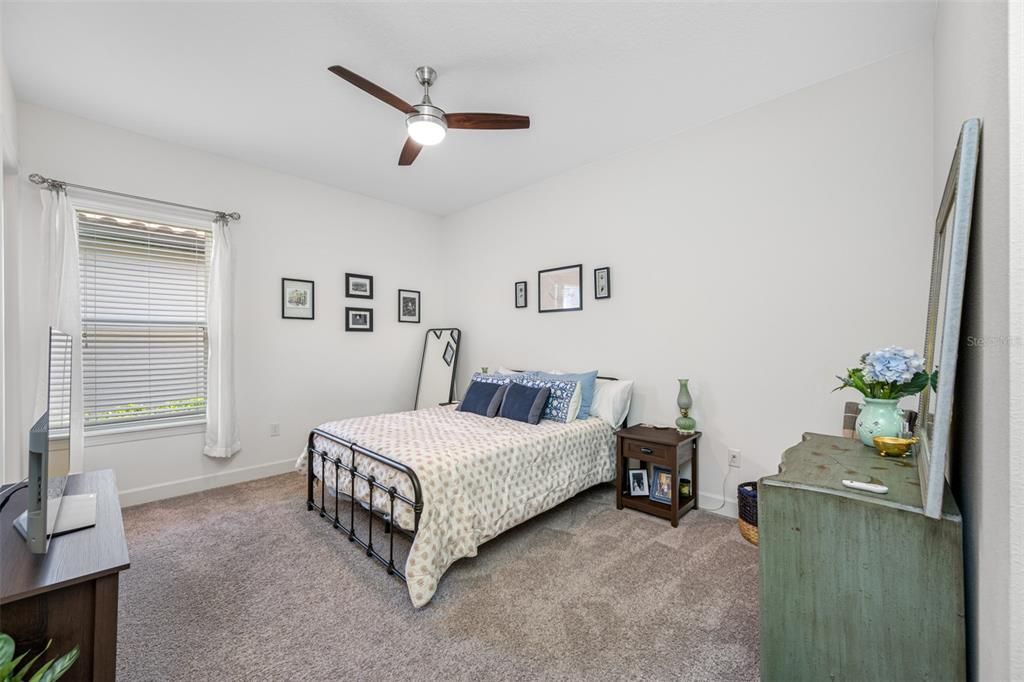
958 201
579 278
456 334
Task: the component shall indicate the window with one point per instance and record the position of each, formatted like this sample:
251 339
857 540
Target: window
143 321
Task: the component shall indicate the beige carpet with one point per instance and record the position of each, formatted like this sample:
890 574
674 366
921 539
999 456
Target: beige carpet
242 583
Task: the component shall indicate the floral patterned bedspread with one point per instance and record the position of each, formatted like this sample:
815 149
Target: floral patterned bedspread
478 476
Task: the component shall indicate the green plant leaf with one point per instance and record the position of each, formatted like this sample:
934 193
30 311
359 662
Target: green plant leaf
38 677
6 668
60 666
915 385
25 669
6 649
935 381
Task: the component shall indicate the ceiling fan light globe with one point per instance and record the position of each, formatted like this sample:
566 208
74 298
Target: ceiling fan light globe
425 129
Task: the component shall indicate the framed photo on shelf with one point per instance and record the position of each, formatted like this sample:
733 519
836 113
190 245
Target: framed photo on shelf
358 286
408 306
520 294
638 483
661 485
359 319
297 302
603 283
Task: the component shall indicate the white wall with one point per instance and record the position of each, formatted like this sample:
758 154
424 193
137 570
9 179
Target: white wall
8 210
971 81
759 256
291 372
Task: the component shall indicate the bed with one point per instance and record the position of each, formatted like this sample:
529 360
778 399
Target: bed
448 480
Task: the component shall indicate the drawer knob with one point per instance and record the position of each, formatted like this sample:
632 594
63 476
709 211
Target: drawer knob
647 451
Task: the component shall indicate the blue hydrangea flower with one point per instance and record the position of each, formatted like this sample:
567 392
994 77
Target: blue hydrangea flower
891 365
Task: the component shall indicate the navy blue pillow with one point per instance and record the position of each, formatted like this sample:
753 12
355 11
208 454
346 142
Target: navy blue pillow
483 398
524 403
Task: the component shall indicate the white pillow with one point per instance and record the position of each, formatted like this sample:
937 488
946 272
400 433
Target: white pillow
506 371
574 403
611 400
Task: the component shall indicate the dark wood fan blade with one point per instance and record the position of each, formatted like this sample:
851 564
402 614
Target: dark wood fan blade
487 121
409 152
372 88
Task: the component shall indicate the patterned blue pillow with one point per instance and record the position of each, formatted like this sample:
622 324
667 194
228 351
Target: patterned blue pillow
562 391
491 378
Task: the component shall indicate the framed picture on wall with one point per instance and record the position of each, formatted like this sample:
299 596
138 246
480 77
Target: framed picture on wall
297 302
359 319
520 294
358 286
408 305
560 289
602 283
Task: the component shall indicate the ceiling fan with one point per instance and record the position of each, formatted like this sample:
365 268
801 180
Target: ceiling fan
426 123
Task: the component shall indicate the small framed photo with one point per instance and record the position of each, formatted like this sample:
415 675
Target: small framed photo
638 483
408 305
297 301
359 319
520 294
449 354
358 286
603 283
661 485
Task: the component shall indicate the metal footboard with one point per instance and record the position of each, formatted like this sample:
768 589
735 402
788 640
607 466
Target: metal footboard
352 472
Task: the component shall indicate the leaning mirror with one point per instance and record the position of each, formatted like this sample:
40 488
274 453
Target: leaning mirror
945 304
436 385
560 289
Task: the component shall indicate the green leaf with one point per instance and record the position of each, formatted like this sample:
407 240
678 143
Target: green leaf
6 668
60 666
25 669
935 381
38 677
917 384
6 649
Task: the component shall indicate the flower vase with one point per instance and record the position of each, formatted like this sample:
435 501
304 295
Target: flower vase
879 417
685 423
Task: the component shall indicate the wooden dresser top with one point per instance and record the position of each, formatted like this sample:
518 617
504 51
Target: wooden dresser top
72 558
821 462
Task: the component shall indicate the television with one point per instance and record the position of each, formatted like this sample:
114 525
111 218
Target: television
49 460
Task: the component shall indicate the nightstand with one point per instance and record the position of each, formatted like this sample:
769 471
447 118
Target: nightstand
660 447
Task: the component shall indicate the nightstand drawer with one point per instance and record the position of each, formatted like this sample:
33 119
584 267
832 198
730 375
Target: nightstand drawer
652 452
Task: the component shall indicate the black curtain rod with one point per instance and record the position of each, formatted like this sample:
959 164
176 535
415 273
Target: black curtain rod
38 179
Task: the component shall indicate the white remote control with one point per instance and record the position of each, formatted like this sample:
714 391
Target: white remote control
867 487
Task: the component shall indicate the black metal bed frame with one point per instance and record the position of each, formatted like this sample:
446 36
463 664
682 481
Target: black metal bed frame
353 472
390 525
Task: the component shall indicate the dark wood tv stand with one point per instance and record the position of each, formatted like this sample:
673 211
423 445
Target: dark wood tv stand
69 594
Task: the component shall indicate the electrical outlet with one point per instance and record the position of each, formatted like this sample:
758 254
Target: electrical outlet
275 429
734 458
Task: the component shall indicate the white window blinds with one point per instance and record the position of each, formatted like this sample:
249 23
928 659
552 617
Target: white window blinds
143 320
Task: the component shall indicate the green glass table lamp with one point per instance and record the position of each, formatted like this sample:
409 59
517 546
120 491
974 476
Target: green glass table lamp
685 423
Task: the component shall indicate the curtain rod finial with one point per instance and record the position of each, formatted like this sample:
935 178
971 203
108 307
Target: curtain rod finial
37 179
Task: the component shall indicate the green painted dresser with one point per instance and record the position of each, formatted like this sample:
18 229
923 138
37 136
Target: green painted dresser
857 585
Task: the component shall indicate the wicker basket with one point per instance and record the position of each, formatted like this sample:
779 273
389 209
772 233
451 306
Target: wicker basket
746 497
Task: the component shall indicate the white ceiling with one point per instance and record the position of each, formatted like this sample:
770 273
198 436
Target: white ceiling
249 80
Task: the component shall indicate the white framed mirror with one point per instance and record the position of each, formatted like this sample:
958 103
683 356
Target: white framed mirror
945 305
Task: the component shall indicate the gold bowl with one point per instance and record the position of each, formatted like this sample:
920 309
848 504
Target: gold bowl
893 447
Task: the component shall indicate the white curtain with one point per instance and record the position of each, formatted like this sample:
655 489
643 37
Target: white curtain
222 438
64 312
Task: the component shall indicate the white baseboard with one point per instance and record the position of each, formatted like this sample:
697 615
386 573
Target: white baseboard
708 502
161 491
